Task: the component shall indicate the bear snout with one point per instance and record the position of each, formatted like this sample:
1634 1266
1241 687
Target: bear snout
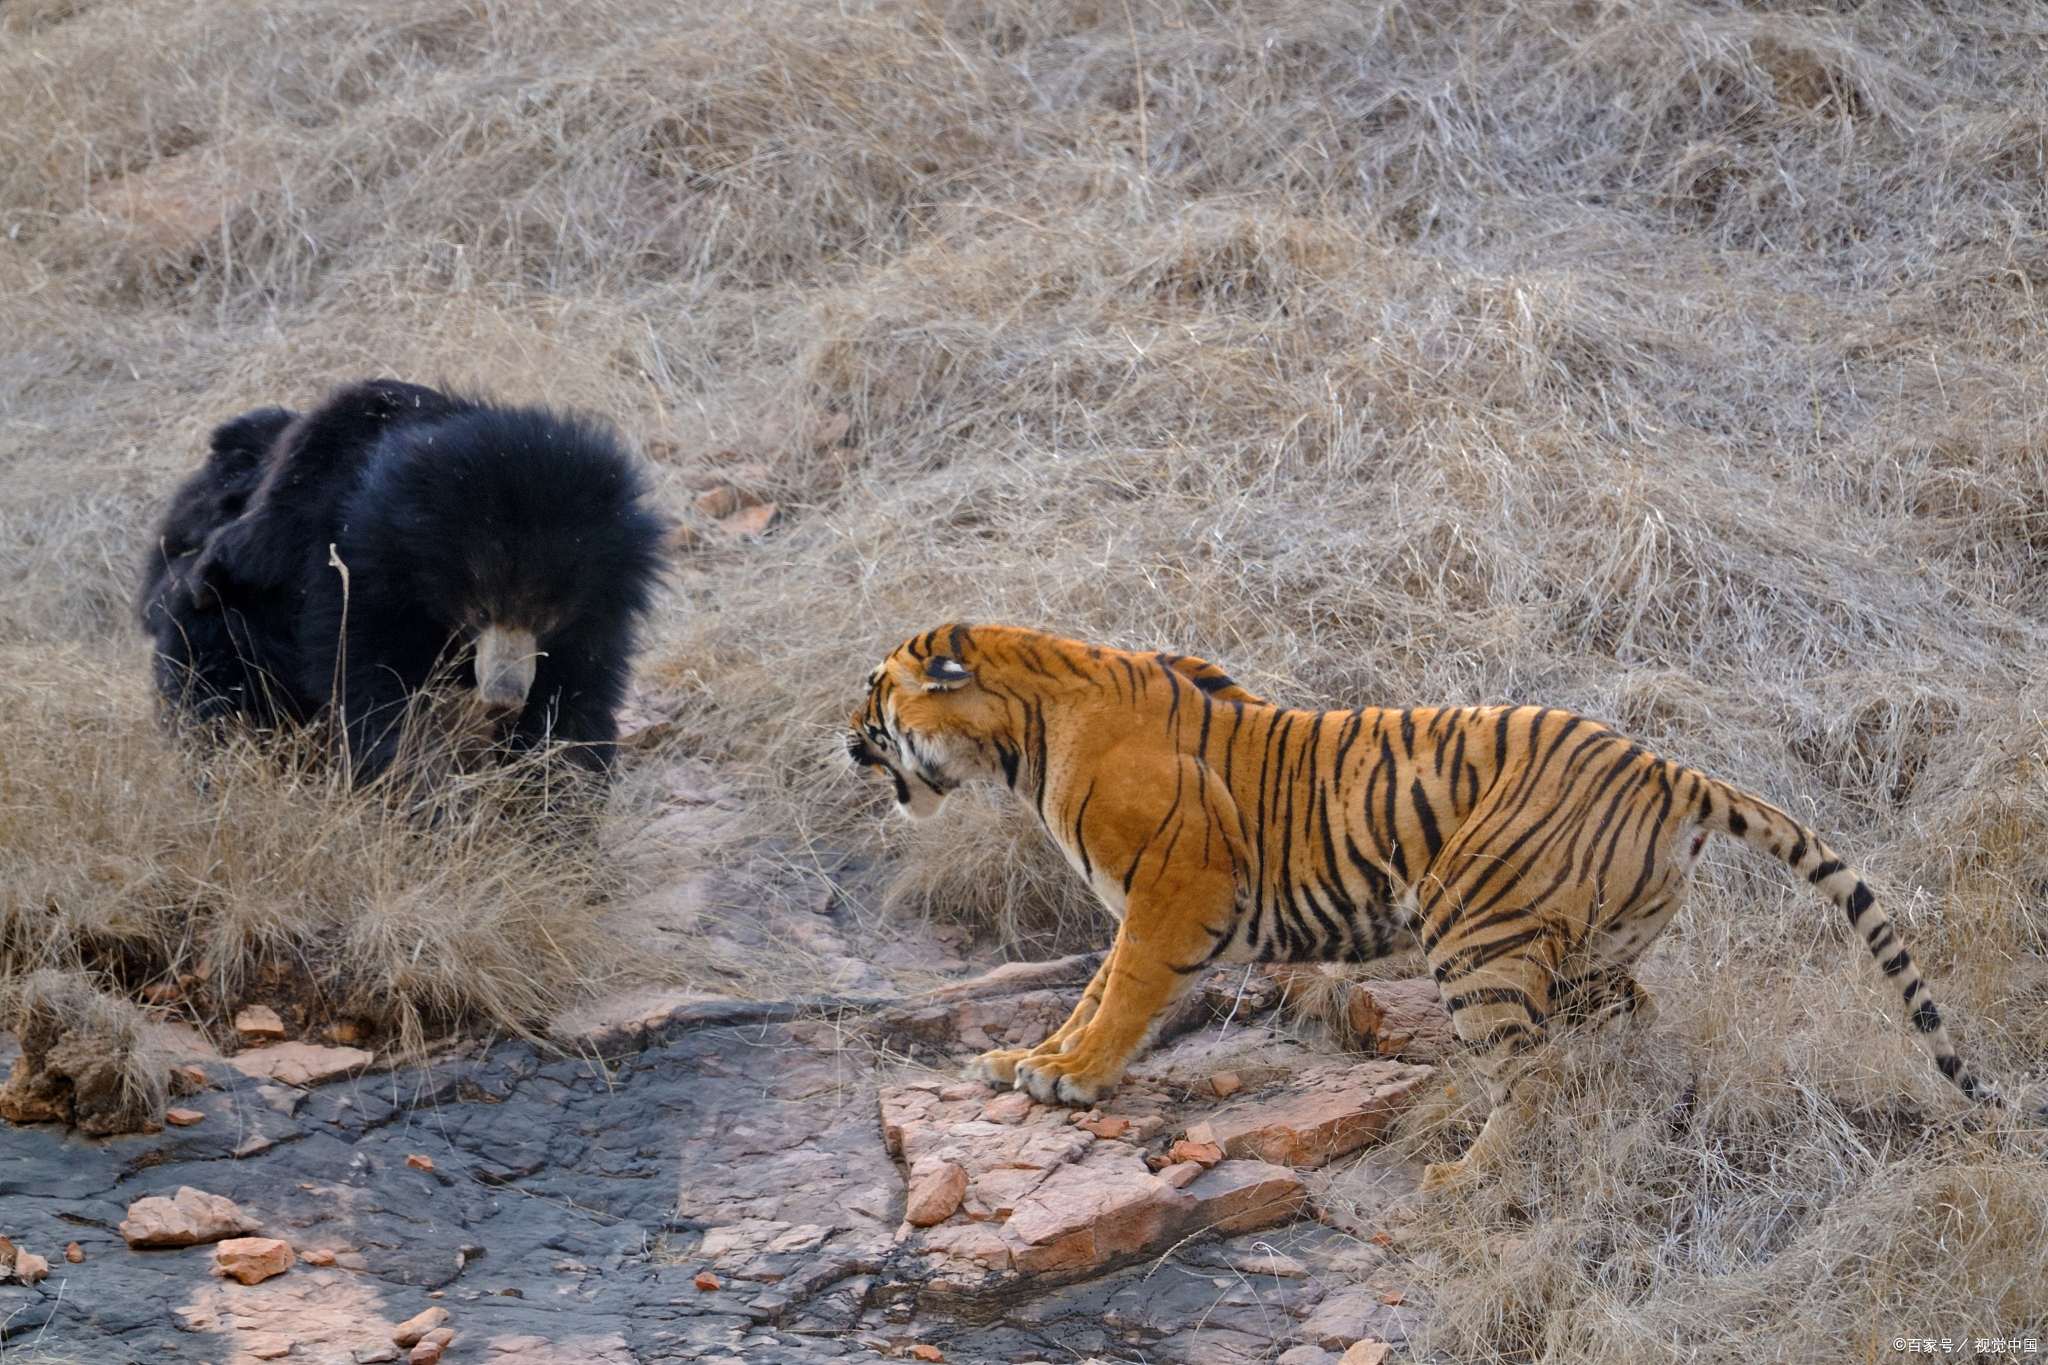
506 659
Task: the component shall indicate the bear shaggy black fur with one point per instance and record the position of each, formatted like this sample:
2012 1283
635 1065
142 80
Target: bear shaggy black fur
336 562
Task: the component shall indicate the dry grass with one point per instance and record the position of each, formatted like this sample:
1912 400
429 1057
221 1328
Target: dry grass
243 876
1674 360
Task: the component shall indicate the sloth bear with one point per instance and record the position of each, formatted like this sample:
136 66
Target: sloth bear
337 562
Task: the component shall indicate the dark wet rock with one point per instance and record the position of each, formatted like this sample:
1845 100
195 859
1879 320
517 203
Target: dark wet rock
573 1202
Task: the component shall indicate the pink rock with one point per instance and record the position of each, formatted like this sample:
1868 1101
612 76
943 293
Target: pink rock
1086 1214
259 1024
935 1192
187 1218
252 1260
1012 1107
977 1243
1305 1128
268 1345
1401 1018
1182 1174
1244 1196
300 1063
409 1332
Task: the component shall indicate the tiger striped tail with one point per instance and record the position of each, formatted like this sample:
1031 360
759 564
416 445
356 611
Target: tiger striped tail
1769 830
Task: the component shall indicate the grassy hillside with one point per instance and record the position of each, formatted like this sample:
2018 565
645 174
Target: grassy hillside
1678 362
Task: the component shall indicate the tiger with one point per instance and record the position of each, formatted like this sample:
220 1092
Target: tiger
1530 853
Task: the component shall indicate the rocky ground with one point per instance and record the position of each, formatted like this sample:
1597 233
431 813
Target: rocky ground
676 1177
727 1190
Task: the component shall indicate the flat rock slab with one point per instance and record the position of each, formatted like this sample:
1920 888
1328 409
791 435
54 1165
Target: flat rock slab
1328 1112
1007 1198
300 1064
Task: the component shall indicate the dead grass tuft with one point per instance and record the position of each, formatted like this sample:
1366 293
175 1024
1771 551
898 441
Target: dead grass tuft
86 1056
210 880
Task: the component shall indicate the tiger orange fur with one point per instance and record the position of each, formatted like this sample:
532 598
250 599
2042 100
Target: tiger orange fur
1533 854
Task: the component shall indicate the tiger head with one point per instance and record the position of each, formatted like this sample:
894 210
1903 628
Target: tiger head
926 725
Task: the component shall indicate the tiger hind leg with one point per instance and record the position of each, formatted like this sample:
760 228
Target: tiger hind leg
1500 1012
1606 995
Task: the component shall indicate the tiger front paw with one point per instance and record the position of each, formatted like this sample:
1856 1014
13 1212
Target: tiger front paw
1062 1078
998 1067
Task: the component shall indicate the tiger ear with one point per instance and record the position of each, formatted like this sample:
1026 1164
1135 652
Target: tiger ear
942 674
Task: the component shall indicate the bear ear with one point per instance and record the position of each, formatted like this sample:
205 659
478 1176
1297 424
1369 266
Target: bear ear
942 674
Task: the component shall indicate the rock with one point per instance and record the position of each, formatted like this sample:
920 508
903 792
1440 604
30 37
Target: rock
1272 1263
1182 1174
1305 1355
426 1353
1401 1019
74 1253
350 1260
420 1162
283 1098
705 1280
640 726
1109 1126
724 500
409 1332
1018 978
183 1118
378 1353
300 1064
1244 1196
1012 1107
1088 1213
187 1079
188 1218
440 1336
78 1081
1338 1111
935 1192
268 1345
1224 1084
22 1267
259 1024
924 1350
1202 1153
317 1256
1345 1316
252 1260
1365 1353
749 521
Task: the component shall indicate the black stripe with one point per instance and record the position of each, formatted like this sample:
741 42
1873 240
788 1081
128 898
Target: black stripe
1431 839
1858 901
1824 871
